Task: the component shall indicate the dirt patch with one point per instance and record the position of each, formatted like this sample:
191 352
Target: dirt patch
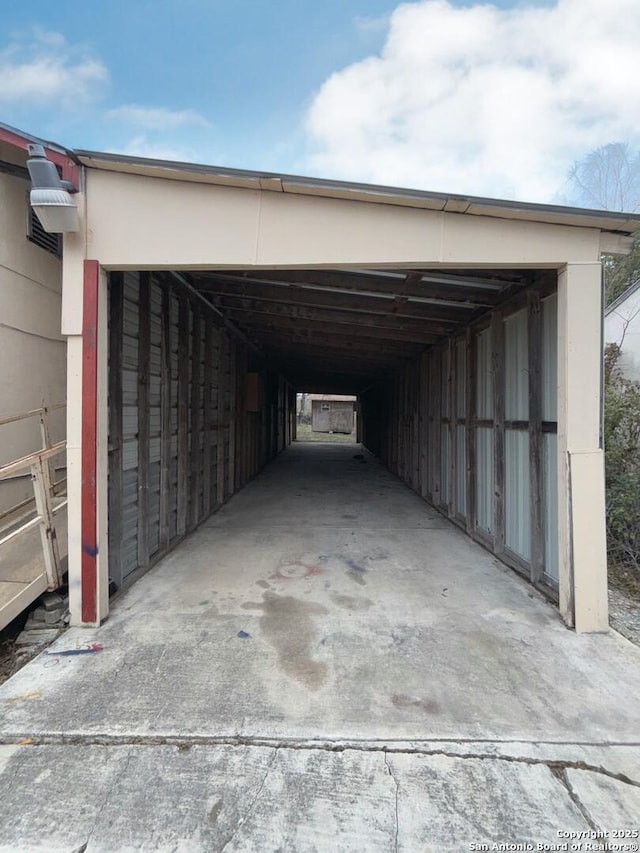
305 433
624 602
12 657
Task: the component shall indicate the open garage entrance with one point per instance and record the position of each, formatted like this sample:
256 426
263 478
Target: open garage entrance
454 372
469 330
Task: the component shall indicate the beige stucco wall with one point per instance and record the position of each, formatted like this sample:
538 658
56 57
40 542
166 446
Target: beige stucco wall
32 349
139 221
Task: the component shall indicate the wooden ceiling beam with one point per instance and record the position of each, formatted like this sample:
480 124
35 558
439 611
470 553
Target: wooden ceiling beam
289 325
230 294
251 308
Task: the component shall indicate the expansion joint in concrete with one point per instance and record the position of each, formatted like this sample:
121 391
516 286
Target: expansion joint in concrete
185 743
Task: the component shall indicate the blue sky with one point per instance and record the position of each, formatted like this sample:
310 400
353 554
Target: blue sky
495 99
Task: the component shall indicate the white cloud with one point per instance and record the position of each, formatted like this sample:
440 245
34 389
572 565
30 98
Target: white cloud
45 70
157 118
483 100
141 146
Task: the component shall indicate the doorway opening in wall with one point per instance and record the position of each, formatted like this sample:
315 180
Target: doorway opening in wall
450 377
326 418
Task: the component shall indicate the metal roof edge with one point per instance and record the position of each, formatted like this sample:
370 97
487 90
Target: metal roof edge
622 297
29 137
455 202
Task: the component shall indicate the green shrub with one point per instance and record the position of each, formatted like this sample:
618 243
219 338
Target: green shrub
622 462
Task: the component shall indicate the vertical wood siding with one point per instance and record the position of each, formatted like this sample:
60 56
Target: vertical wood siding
181 438
471 426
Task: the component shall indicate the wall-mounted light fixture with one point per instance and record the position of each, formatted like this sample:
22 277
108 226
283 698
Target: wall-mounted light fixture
50 196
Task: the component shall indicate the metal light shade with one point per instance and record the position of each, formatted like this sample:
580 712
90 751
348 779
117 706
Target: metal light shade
55 209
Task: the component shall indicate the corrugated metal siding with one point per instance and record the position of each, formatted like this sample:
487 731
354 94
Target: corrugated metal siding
517 509
549 308
516 367
484 479
484 376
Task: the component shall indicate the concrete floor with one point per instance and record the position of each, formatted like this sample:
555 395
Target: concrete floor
326 664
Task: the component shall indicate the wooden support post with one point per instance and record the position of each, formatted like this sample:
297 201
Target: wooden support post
451 394
535 434
581 504
144 360
165 418
233 382
116 318
470 432
196 389
208 416
183 414
497 360
89 460
222 417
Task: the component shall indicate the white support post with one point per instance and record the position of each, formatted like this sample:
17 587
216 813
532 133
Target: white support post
74 474
581 500
102 461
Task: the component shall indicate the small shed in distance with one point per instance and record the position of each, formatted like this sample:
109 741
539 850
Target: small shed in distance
332 413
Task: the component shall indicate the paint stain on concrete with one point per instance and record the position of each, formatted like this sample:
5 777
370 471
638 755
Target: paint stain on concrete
21 697
349 602
356 577
295 571
287 624
427 706
215 810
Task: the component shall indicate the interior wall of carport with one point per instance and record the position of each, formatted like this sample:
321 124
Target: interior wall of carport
194 414
472 426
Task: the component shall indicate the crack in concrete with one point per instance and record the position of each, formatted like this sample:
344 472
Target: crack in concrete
560 774
395 782
412 748
107 796
243 819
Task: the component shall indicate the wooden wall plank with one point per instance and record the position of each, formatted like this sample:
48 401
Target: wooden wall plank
144 360
165 418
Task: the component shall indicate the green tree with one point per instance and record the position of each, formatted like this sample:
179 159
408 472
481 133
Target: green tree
608 178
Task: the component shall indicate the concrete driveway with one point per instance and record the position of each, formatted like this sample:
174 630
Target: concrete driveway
326 665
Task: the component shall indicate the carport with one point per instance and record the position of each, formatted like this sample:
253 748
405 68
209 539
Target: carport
198 300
